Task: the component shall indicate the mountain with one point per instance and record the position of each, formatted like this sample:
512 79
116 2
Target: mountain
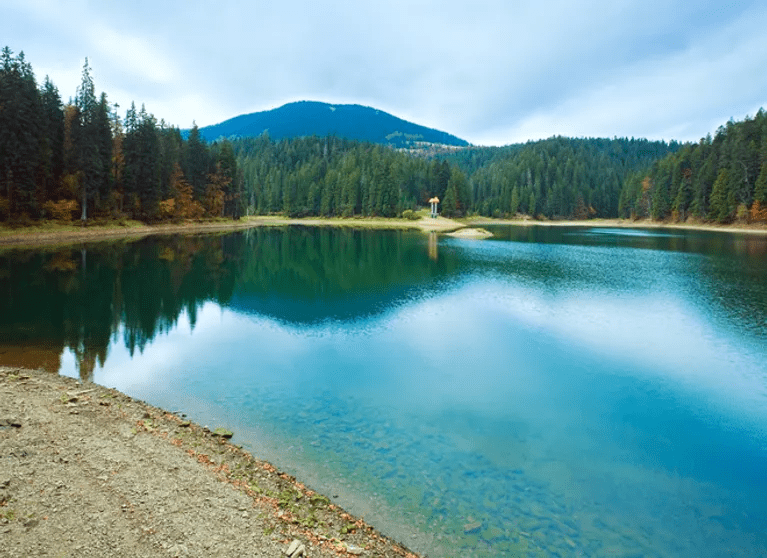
311 118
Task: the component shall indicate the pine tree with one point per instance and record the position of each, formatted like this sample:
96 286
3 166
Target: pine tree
722 200
760 188
20 135
52 141
87 145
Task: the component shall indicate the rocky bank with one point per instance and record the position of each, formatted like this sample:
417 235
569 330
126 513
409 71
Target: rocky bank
88 471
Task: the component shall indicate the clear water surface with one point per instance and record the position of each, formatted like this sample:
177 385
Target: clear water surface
548 392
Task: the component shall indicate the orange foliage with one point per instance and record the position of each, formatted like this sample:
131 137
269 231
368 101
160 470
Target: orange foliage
186 206
63 210
181 205
646 184
167 208
214 193
757 213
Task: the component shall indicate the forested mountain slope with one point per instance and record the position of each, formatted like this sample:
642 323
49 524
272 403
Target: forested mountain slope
310 118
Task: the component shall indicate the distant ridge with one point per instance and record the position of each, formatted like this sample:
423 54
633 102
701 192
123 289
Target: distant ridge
312 118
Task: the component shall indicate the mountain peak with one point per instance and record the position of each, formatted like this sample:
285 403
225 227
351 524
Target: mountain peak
315 118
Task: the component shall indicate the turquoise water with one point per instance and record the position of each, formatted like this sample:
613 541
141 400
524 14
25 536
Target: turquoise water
549 392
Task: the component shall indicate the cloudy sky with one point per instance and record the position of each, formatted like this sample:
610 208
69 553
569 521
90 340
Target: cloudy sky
491 72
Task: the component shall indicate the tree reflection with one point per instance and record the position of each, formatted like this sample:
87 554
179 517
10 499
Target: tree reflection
81 297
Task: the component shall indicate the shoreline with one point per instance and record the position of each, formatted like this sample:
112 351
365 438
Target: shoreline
31 237
620 223
90 471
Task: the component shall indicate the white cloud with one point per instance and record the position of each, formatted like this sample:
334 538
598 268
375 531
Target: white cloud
489 71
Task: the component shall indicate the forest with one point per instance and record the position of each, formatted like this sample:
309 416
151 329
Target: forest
60 161
720 179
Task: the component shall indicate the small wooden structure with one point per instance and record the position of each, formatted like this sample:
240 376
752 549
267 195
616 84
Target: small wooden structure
434 201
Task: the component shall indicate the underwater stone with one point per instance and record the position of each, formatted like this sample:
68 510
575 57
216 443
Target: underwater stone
472 528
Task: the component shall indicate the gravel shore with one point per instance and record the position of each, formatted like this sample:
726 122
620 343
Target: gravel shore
88 471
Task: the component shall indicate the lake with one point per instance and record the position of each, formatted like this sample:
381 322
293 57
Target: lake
553 391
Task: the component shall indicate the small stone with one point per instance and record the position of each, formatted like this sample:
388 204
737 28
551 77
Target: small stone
293 547
31 523
223 432
178 550
300 551
5 483
356 550
472 528
185 423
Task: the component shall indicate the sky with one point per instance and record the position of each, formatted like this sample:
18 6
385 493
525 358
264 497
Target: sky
491 72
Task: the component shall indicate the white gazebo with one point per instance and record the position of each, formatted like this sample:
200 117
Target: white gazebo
434 201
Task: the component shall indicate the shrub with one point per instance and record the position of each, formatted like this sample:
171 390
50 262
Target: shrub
63 210
410 215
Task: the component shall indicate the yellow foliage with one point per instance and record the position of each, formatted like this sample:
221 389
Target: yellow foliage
167 208
646 184
63 210
214 200
71 184
185 206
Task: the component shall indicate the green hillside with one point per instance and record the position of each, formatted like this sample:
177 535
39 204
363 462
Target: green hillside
310 118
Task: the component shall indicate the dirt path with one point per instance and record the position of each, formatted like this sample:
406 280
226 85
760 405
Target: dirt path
88 471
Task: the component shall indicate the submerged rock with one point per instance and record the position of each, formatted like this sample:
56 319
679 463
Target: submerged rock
472 528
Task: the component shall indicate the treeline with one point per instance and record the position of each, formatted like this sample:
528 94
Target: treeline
721 179
80 158
332 176
554 178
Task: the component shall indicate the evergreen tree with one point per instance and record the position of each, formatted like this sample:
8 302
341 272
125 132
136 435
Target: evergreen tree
20 135
514 205
196 163
760 188
722 202
52 141
87 143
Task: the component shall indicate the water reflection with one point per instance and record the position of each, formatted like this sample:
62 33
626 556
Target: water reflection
80 297
554 392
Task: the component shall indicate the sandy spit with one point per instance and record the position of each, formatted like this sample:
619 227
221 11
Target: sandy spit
88 471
